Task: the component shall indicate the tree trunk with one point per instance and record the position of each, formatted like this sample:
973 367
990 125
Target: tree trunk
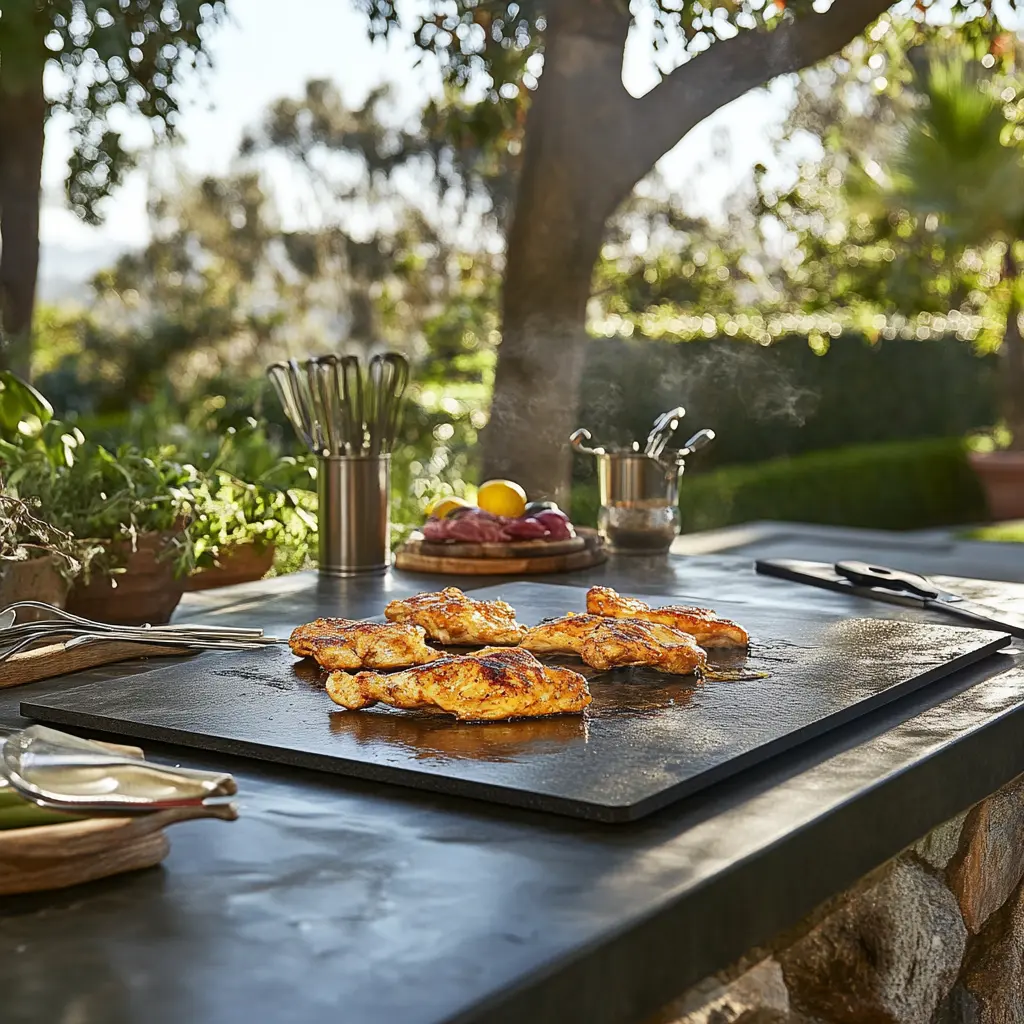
1011 352
22 120
568 188
587 144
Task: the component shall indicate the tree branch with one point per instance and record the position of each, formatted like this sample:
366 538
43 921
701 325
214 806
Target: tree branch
732 67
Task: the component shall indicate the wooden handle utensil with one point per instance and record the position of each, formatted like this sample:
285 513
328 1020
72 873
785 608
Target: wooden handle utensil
56 660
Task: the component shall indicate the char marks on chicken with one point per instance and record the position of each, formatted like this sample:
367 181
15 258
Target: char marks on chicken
450 617
701 623
492 684
606 643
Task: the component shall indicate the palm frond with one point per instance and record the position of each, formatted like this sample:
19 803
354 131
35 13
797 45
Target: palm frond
952 161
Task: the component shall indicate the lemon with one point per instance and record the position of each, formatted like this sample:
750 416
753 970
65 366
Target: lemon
502 498
441 507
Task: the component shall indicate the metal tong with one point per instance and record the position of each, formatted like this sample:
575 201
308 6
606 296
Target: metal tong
19 636
336 408
62 772
663 428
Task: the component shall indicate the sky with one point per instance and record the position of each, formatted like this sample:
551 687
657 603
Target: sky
259 57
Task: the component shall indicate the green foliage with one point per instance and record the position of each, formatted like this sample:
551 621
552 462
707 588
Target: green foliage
204 493
23 410
872 231
1010 532
892 486
107 499
126 55
953 162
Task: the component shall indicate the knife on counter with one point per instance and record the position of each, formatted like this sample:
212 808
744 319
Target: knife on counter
896 586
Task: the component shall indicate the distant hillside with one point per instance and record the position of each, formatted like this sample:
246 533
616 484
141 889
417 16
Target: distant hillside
64 273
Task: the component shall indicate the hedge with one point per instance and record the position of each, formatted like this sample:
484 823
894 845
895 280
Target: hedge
891 486
786 400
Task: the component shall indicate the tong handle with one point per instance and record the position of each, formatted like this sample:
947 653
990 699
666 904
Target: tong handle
57 660
866 575
576 439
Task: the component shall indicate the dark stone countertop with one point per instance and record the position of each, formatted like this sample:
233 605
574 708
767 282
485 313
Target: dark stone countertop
338 900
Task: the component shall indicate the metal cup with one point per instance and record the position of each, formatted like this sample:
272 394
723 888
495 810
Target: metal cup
639 511
633 480
354 514
639 495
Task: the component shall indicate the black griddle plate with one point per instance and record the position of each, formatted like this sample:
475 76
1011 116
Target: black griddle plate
646 741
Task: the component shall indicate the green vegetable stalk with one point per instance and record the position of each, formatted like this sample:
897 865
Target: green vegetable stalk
17 812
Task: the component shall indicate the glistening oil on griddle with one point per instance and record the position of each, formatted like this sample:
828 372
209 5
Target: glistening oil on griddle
642 744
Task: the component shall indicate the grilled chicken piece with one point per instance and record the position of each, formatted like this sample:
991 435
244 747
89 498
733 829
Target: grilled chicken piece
605 643
619 642
701 623
302 638
561 636
495 683
453 618
374 645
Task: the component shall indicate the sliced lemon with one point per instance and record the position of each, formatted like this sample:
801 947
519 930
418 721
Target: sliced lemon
441 507
502 498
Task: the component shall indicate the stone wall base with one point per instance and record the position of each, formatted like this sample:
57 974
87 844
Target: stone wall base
936 936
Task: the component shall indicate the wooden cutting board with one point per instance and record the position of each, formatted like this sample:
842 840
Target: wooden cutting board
57 856
508 549
524 558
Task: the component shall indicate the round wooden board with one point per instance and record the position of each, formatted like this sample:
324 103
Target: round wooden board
413 561
416 544
57 856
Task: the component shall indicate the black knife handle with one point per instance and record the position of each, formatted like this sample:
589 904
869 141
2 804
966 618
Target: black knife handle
867 575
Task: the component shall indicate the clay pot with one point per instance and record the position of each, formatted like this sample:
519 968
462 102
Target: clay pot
35 578
147 591
1001 475
244 563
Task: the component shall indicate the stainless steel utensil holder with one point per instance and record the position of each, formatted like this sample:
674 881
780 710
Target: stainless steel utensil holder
639 511
354 514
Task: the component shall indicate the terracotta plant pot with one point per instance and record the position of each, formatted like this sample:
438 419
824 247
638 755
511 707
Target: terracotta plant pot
1001 475
32 579
146 591
244 563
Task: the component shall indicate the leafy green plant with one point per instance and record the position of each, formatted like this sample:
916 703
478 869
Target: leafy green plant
250 494
107 499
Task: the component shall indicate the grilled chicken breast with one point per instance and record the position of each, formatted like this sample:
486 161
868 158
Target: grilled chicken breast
620 642
453 618
492 684
561 636
374 645
610 643
302 638
701 623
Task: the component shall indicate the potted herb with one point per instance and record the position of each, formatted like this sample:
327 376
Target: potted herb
128 512
250 501
235 532
37 561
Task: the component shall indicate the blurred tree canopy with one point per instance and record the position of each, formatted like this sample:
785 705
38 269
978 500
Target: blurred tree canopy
912 212
111 54
585 144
